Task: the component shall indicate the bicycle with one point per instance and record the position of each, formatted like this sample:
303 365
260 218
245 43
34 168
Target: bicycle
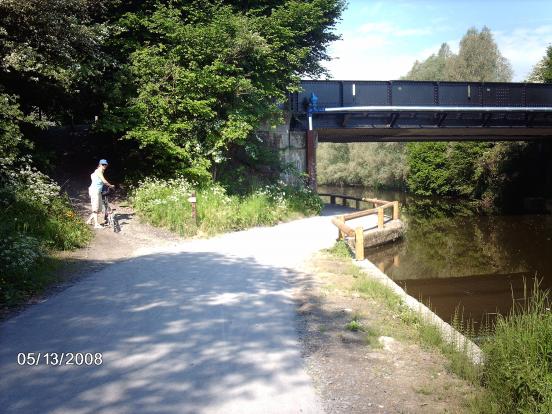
110 216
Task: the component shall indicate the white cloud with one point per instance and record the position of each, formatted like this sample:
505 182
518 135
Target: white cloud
524 47
375 51
371 57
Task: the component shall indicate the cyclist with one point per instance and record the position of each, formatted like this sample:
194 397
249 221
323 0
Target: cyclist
95 192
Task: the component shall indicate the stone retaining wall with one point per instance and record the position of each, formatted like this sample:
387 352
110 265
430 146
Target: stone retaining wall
291 147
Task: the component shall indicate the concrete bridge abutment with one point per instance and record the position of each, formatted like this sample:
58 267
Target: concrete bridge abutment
296 151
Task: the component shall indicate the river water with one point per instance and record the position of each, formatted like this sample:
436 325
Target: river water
456 258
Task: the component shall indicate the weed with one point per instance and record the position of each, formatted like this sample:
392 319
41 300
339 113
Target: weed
34 221
518 364
339 249
372 337
354 326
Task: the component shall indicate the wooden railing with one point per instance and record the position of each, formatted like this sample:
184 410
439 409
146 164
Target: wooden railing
358 233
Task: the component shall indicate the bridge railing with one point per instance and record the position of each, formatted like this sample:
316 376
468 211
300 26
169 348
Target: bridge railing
338 93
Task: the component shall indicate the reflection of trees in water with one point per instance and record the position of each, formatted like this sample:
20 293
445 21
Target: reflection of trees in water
452 239
449 237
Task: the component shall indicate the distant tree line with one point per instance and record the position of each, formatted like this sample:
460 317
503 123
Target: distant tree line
488 171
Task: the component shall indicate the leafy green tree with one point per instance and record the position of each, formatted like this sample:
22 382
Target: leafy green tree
49 52
201 75
333 161
376 165
10 132
478 60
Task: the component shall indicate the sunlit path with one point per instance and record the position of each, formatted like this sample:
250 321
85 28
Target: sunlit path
207 326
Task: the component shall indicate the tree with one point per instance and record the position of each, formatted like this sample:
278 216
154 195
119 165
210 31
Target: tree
542 71
467 168
49 51
433 68
333 161
198 76
478 59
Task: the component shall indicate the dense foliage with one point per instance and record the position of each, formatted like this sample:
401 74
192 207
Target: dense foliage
378 165
34 220
199 76
542 71
184 83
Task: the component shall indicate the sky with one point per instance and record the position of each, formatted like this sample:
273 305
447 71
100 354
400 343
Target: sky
382 39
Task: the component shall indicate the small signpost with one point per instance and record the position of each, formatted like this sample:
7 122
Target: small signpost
192 200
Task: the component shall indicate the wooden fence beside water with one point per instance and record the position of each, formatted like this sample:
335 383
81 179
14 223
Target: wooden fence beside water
361 237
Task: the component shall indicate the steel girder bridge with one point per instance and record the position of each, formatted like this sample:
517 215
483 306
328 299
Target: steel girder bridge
392 111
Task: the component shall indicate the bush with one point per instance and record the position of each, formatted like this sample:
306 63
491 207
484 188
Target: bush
165 203
34 220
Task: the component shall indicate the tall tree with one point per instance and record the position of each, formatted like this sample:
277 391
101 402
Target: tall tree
472 168
478 59
201 75
433 68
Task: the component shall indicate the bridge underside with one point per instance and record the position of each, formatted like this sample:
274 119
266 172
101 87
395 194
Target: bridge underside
368 111
342 135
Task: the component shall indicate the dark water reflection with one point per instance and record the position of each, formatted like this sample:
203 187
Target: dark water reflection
454 255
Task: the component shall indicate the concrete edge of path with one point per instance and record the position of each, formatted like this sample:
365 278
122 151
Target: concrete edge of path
448 332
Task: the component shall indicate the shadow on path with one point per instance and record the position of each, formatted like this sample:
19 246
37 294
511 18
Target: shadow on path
178 333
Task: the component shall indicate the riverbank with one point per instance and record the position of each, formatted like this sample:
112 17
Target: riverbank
366 352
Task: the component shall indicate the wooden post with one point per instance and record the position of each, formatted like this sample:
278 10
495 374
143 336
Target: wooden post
357 204
344 201
359 243
395 210
341 219
332 199
380 218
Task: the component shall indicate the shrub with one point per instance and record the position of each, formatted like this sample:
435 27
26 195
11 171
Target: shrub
34 220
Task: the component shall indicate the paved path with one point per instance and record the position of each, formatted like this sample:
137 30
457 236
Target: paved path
206 326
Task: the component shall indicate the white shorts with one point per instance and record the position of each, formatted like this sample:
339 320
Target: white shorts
95 199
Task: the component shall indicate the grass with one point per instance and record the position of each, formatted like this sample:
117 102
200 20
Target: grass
165 204
518 370
372 337
339 250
